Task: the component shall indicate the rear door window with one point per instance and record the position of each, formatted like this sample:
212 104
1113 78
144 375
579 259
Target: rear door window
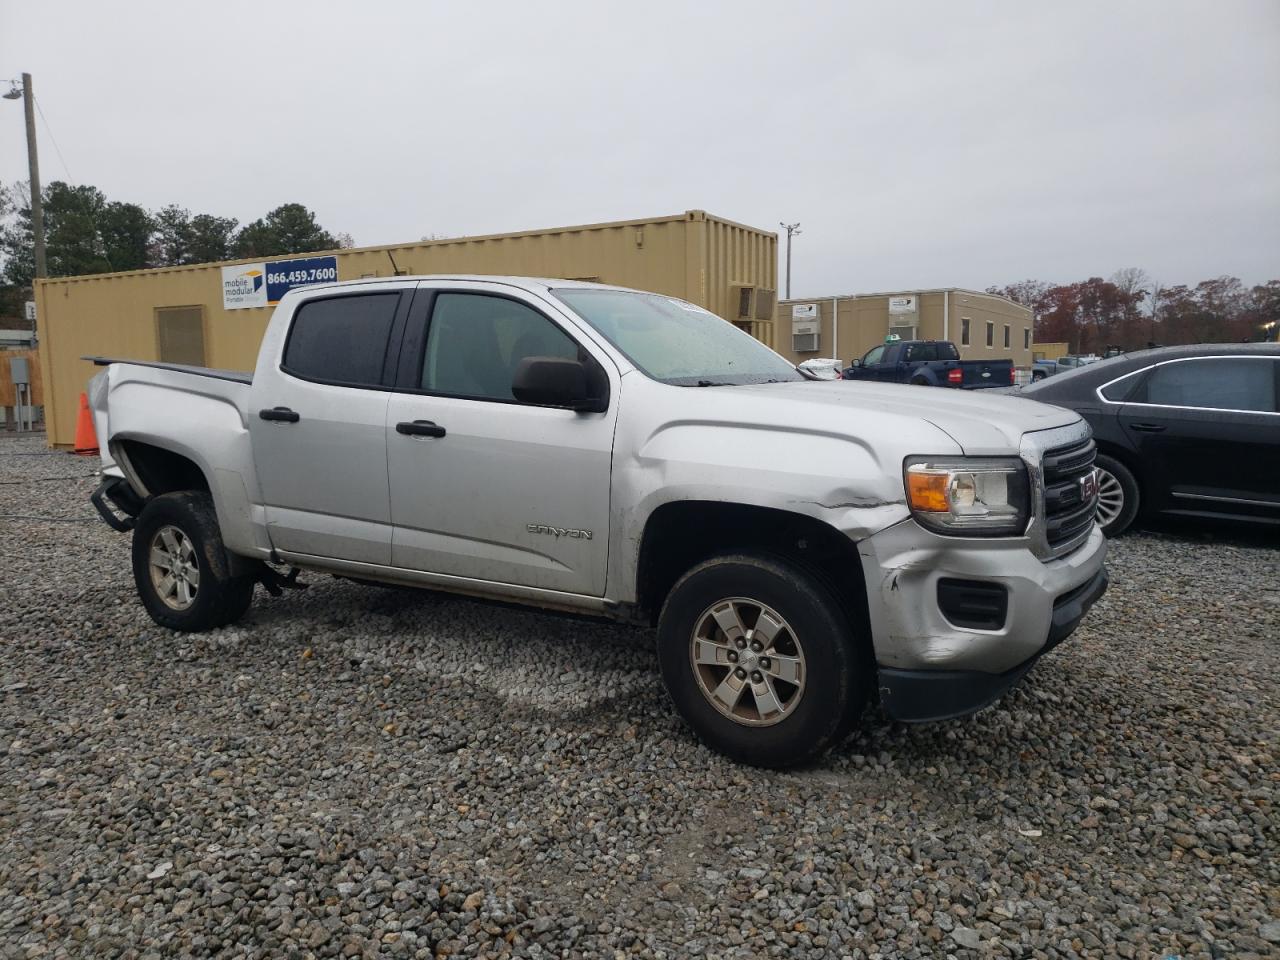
1119 390
922 352
341 340
1215 383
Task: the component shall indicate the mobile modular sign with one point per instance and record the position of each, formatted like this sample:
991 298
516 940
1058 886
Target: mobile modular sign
248 285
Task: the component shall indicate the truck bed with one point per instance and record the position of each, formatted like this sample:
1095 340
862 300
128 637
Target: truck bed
236 376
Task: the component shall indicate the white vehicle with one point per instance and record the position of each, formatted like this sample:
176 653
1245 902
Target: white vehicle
802 547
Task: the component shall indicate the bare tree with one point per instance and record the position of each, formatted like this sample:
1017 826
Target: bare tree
1131 280
1135 286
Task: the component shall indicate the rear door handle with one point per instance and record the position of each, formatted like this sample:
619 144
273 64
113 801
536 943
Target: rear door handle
279 414
420 428
1147 427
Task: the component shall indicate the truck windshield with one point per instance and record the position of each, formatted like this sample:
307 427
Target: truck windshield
676 342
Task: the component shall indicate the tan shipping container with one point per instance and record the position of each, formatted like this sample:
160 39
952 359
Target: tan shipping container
176 313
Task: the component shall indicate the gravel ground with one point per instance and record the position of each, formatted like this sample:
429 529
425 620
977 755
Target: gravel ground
354 770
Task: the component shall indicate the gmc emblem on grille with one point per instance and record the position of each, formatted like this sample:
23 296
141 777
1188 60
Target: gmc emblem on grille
1089 486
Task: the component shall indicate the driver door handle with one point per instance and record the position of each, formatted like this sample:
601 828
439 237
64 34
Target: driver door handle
1147 427
279 414
420 428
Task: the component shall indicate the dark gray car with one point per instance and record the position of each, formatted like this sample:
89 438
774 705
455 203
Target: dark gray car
1190 431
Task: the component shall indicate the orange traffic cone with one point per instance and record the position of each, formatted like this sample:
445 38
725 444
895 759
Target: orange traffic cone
86 437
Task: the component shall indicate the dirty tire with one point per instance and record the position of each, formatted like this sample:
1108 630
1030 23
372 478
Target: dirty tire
1132 498
837 678
220 598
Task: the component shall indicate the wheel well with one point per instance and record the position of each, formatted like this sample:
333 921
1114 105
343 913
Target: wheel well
161 470
1131 461
681 534
1108 449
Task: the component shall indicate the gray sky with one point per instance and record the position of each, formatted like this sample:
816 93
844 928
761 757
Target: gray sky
919 144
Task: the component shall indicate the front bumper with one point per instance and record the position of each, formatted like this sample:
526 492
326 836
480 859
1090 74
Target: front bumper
919 696
929 667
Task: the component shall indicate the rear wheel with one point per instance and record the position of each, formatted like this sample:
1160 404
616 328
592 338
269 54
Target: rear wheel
180 566
1038 375
1118 496
760 659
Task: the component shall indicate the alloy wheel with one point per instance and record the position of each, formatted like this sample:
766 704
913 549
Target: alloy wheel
175 574
748 662
1110 497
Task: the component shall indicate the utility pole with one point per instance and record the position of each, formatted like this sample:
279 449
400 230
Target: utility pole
793 230
33 167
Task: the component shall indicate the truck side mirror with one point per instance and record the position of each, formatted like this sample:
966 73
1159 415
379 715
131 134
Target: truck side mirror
554 382
855 362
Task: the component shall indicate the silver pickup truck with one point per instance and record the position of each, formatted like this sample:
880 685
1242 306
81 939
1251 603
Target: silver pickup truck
802 547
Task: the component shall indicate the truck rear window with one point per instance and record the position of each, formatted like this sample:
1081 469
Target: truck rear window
341 340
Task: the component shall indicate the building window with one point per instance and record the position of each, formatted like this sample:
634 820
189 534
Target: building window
991 334
180 335
1006 336
964 331
1026 338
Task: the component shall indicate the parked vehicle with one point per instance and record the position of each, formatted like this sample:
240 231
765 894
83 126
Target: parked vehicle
820 368
800 545
1071 362
1043 368
1189 431
931 363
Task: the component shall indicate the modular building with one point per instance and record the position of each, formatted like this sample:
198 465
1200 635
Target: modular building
1051 351
215 314
980 324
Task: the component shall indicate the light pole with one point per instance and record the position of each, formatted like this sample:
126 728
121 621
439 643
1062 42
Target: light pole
793 230
33 165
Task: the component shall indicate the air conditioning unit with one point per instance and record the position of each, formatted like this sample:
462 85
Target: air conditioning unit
765 302
744 301
804 343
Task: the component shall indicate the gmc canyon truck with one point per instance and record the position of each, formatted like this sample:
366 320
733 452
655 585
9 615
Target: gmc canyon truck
929 363
802 547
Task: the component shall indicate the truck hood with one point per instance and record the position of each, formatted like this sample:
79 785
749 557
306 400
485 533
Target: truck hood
982 425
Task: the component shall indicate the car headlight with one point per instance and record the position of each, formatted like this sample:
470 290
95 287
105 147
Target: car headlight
968 496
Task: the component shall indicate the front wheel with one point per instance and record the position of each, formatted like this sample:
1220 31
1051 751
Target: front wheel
180 566
760 659
1118 497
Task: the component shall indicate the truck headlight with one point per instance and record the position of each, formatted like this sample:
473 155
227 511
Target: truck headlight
968 496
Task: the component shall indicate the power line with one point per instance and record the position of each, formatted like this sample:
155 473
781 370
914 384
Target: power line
53 140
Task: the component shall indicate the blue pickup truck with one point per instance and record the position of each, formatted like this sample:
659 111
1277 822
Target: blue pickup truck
929 363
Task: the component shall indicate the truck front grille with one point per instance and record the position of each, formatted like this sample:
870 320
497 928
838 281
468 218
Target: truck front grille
1070 501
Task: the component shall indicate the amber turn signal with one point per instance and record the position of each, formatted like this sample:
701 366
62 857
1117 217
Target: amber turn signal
928 491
